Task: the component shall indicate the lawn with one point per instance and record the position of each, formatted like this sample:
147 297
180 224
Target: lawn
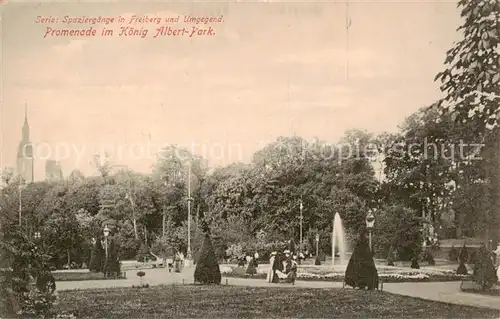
78 276
250 302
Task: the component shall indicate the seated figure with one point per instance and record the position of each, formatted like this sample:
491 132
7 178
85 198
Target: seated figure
288 270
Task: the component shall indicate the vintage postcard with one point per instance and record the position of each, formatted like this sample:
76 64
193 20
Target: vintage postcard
253 159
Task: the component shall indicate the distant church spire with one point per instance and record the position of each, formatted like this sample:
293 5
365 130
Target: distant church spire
26 127
25 159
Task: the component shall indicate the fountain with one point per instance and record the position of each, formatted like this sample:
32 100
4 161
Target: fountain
338 239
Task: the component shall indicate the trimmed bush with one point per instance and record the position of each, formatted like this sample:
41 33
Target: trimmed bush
317 262
464 254
462 258
207 269
414 263
484 274
462 269
361 271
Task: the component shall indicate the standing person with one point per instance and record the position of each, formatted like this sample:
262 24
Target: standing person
177 262
270 272
497 253
255 257
276 267
169 259
182 259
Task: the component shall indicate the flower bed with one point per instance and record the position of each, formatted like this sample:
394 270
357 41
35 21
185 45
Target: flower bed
386 274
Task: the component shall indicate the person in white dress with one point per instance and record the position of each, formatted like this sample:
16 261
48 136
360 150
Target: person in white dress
497 253
270 272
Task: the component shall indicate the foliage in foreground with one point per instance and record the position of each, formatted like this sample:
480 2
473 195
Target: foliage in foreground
254 302
28 288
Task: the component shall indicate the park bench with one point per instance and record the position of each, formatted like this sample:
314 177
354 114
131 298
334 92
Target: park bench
287 278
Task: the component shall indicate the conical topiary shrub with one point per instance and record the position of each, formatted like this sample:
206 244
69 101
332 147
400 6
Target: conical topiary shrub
317 261
462 269
462 258
207 269
361 271
414 263
484 273
97 257
464 254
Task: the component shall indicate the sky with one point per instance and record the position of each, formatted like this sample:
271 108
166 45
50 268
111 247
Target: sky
271 69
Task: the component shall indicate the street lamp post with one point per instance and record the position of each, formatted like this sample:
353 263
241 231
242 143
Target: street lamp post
164 213
189 256
106 234
317 245
301 219
370 221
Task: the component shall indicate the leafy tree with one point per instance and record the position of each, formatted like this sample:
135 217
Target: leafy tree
400 228
76 176
143 253
207 269
6 175
471 84
361 271
484 273
129 246
103 164
420 167
29 289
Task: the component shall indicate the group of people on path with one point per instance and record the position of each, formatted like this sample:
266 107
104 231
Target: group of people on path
175 261
283 267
